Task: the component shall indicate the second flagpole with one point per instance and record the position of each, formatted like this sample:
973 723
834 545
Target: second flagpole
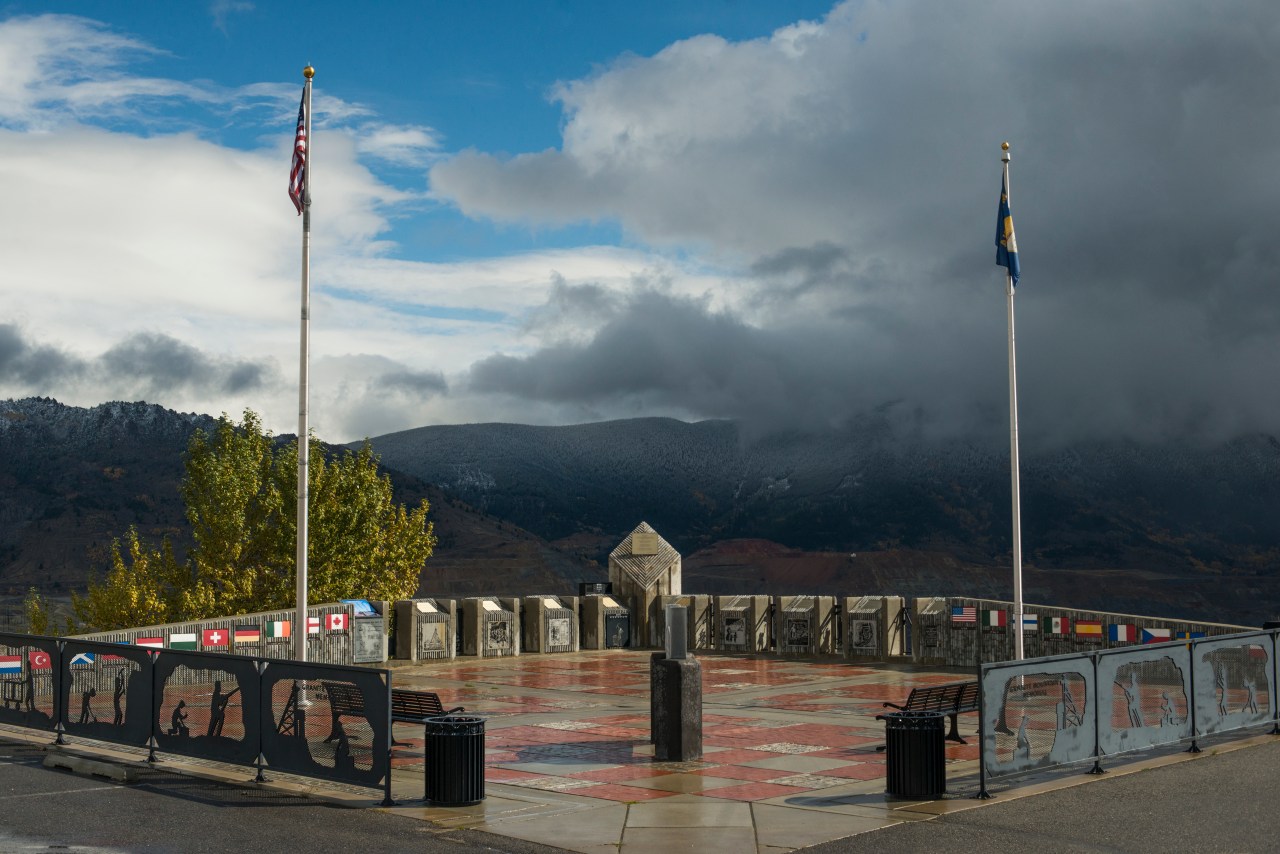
1018 615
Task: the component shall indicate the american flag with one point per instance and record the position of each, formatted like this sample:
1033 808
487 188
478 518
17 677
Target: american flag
964 614
298 174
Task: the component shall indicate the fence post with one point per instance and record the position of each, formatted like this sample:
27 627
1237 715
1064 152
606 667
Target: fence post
264 705
983 794
1275 701
59 706
155 709
386 791
1097 722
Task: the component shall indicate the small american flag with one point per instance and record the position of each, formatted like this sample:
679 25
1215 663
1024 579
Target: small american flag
965 614
298 174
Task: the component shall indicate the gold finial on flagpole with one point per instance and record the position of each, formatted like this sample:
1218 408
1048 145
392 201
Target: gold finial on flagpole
1004 146
310 72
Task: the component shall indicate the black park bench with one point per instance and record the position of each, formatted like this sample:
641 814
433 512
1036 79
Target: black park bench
952 699
406 706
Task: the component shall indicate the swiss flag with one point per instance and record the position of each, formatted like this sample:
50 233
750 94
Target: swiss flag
214 637
39 659
335 622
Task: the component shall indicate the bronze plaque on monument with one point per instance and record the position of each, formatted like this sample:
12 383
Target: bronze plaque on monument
644 543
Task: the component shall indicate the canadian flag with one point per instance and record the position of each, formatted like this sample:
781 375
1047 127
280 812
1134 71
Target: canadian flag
335 622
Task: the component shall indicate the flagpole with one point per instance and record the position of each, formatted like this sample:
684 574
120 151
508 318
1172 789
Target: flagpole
1013 449
304 359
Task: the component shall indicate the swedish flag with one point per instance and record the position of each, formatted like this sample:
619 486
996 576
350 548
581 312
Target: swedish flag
1006 243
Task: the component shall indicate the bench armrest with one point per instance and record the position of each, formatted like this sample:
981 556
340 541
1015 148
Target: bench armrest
894 706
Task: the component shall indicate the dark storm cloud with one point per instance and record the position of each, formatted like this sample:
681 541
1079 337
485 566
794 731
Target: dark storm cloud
418 383
153 363
32 365
854 164
677 354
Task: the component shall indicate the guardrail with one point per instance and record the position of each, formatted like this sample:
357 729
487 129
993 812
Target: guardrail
236 709
1067 709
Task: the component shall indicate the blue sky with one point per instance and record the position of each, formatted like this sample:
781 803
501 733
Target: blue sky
778 212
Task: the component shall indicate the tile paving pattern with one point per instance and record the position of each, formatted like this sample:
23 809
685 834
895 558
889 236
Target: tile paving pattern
541 734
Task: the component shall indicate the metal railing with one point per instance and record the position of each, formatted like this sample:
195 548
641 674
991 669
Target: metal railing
1065 709
326 721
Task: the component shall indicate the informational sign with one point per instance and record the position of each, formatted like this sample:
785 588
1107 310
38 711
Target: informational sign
863 637
735 631
367 641
797 632
559 632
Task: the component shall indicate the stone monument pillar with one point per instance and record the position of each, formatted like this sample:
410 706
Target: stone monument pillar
643 567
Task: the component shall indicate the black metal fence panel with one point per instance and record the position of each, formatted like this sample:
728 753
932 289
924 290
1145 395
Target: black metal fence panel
107 692
327 721
207 705
30 681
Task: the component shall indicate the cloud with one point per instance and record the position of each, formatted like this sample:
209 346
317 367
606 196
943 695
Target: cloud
848 168
223 9
158 364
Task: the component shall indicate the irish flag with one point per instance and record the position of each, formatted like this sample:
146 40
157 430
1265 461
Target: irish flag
277 629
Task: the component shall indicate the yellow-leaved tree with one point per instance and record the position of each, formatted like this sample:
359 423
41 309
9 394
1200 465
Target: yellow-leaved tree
240 492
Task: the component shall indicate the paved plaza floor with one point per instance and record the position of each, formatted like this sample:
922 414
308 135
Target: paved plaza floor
789 752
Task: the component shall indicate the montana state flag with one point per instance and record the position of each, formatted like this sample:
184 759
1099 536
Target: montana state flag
1006 243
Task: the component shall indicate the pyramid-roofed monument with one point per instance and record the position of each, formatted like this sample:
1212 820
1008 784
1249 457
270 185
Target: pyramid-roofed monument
643 567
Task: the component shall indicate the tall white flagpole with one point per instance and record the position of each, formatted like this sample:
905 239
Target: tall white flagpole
1013 448
304 360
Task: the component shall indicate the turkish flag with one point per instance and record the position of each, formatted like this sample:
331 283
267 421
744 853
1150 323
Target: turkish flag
215 637
39 659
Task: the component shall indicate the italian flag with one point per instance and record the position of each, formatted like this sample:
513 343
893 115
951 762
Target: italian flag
994 619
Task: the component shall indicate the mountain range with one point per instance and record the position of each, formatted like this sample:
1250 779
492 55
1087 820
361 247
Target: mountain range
1175 529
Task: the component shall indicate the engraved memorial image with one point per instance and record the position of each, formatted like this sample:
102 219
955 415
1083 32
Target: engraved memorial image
862 635
735 631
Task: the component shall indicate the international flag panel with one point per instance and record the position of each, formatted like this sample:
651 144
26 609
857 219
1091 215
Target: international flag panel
247 634
214 638
995 618
313 625
10 665
1060 626
183 640
82 659
1156 635
964 614
1189 635
335 622
39 660
1030 622
149 642
1122 633
278 629
1089 630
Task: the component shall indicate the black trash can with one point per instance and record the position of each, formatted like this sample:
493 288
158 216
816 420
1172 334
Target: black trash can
915 754
454 754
